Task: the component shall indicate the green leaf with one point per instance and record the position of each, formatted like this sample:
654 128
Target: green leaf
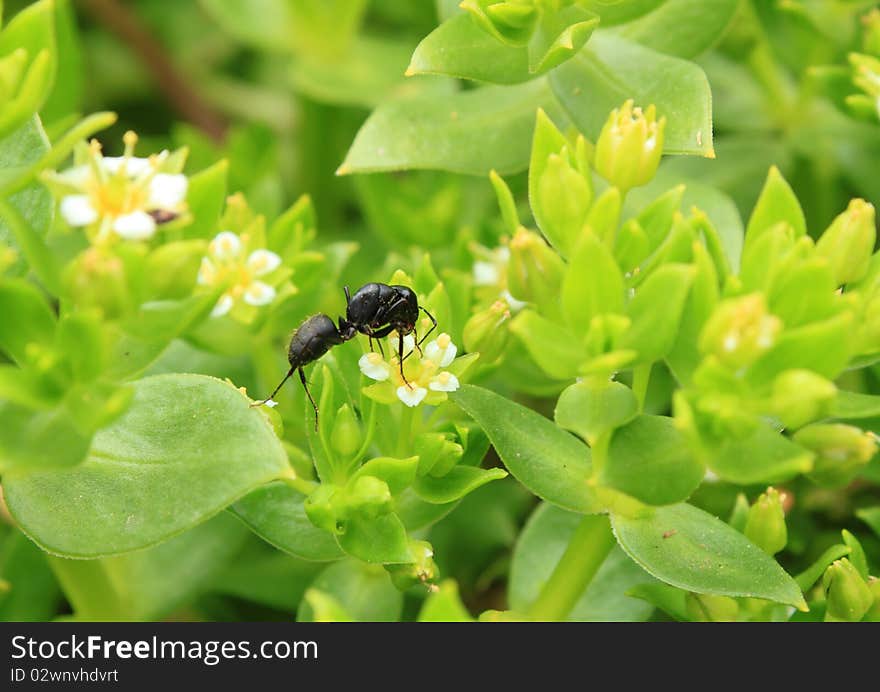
460 48
667 598
444 605
275 513
593 284
613 13
33 593
27 319
32 29
149 584
649 460
551 463
379 540
824 347
550 345
364 591
468 132
656 312
541 545
594 406
777 203
610 70
765 456
559 36
460 481
399 474
188 446
35 441
852 405
205 198
689 548
814 572
267 577
684 28
871 516
33 203
67 93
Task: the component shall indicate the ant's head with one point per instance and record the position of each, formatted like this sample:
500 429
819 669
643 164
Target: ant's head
347 331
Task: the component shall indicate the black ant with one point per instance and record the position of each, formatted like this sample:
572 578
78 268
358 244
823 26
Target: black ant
375 310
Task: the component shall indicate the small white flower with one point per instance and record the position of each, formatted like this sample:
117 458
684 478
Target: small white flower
442 351
77 210
137 225
411 397
124 194
374 366
444 382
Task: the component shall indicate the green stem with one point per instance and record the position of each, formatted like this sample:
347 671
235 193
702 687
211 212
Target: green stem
586 551
641 378
404 433
301 485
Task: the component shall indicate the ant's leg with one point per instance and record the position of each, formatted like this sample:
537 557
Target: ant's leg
433 324
418 347
370 337
271 396
302 378
347 295
400 357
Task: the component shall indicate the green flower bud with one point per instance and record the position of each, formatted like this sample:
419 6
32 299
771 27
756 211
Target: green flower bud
346 437
100 278
765 522
564 197
848 598
487 331
422 571
801 396
630 145
11 71
437 454
873 614
323 510
739 331
370 497
535 271
848 242
510 21
704 607
841 450
173 267
871 32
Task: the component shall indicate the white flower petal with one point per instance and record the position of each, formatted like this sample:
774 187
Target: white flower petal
207 272
486 273
225 246
258 293
444 382
77 210
223 305
442 351
270 403
138 225
409 343
411 397
374 367
76 176
134 165
262 262
167 191
515 305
